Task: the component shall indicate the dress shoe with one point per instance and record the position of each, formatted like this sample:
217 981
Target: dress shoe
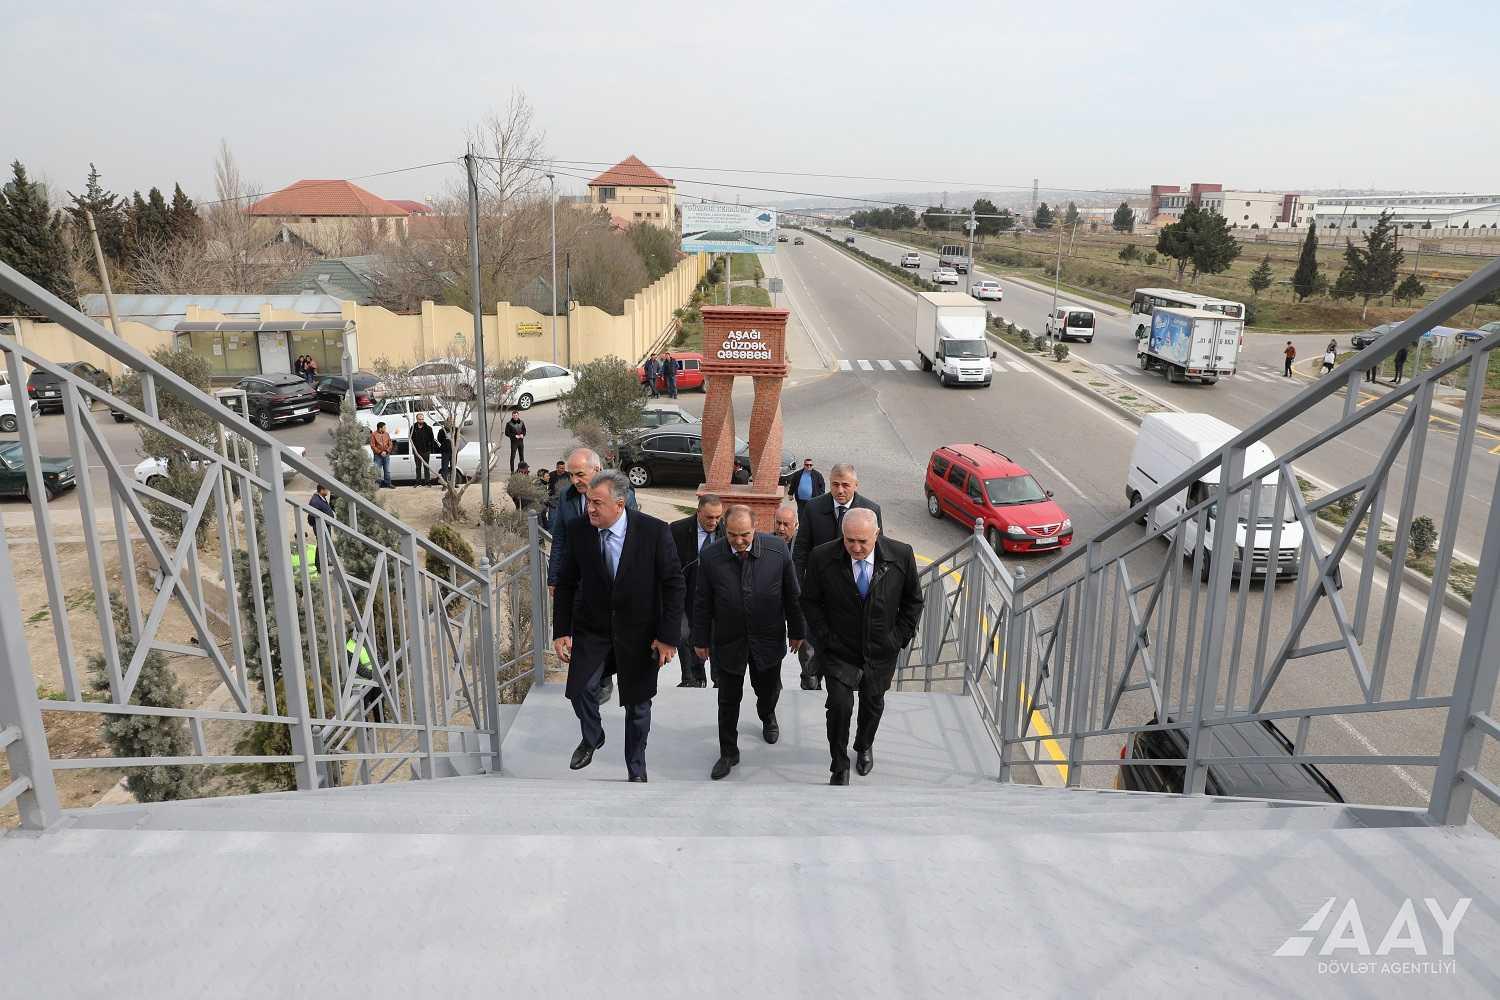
839 778
639 777
771 730
584 755
723 766
686 684
864 761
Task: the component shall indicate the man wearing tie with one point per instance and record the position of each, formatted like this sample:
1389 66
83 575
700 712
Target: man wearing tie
746 616
862 602
618 610
820 521
692 534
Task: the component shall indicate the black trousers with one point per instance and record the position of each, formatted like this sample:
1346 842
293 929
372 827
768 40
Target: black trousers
840 706
767 687
591 725
692 667
517 452
424 467
1287 368
1369 374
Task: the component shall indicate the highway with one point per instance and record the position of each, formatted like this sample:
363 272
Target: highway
1256 389
887 419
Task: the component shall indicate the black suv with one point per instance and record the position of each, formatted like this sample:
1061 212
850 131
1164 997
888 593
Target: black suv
46 388
1360 341
279 399
1291 780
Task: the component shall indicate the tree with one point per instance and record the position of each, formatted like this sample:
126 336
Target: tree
936 219
1260 278
607 396
1410 289
1070 217
1370 271
32 241
1305 278
243 251
1130 252
986 226
1214 247
1124 221
1043 219
1006 221
1175 240
606 269
656 246
186 225
110 217
149 221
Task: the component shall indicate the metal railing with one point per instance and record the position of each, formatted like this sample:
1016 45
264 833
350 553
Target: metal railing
1141 630
380 655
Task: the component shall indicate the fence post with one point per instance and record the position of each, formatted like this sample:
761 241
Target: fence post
416 650
488 661
541 621
1008 703
1083 657
20 717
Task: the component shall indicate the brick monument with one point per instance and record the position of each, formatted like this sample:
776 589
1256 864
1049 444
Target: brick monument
744 340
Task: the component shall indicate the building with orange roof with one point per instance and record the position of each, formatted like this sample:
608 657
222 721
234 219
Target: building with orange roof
335 215
632 192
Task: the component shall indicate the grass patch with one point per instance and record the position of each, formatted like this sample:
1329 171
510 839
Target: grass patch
748 295
45 693
38 616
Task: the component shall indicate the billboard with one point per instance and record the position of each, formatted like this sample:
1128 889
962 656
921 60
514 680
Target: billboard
728 229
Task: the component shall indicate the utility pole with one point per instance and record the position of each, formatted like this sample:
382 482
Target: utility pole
1056 279
109 295
568 306
552 182
969 274
1033 200
471 166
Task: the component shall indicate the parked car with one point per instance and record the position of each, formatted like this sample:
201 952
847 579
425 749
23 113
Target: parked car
689 372
540 382
8 414
57 473
1360 341
279 399
404 463
1292 780
781 239
666 414
46 388
945 276
332 388
399 412
911 260
797 242
987 288
972 482
674 454
5 388
443 377
149 470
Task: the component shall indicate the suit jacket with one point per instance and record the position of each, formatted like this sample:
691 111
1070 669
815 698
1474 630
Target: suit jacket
619 616
564 513
818 525
744 612
850 634
817 483
685 536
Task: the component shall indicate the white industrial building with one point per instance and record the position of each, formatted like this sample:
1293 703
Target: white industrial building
1416 211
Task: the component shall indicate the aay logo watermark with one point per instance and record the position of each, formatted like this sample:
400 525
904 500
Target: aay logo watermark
1402 950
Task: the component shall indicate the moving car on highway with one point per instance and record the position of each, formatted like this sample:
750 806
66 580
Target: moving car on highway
956 256
945 276
911 260
987 288
849 240
1066 322
797 241
973 482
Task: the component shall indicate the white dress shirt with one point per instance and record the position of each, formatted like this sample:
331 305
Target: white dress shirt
869 562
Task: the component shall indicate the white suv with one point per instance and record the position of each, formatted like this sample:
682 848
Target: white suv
912 260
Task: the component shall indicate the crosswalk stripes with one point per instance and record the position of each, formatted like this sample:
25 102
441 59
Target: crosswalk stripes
908 364
845 366
865 365
886 365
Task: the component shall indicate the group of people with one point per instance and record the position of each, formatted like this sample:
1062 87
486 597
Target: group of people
632 592
429 447
1331 360
660 366
306 369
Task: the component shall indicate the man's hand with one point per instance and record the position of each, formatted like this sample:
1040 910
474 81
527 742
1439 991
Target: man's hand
564 647
551 592
701 651
794 644
663 652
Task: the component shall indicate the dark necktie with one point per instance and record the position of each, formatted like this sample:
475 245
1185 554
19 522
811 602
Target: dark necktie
609 566
838 515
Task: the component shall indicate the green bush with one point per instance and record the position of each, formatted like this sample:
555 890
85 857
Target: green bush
1423 536
1060 351
1150 258
1025 336
1252 314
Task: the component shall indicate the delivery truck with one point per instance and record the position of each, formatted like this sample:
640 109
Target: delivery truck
950 338
1192 344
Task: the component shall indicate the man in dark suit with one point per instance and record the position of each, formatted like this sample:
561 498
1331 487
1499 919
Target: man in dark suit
692 534
618 610
745 616
819 524
862 603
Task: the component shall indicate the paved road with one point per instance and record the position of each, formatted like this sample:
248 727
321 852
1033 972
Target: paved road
1258 388
888 421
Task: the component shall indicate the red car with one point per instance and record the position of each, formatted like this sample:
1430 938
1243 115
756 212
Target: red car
970 482
689 372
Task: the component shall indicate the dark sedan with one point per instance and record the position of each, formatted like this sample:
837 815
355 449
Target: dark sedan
46 388
674 455
331 390
57 473
1360 341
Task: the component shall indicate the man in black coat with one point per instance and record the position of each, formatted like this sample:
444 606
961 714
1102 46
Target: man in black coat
423 444
515 433
806 483
691 535
745 616
618 610
862 602
818 524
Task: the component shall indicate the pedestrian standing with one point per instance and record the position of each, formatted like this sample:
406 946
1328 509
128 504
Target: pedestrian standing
310 370
380 447
650 376
1330 359
691 535
862 602
513 486
515 433
1290 354
806 483
618 610
670 364
318 503
297 368
445 453
745 616
821 520
423 444
1400 365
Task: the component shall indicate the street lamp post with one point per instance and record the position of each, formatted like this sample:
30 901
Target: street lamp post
552 181
471 167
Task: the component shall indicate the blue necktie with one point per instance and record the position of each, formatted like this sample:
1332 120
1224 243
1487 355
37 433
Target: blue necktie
862 578
604 552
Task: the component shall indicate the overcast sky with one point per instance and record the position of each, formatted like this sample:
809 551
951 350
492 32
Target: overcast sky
1274 96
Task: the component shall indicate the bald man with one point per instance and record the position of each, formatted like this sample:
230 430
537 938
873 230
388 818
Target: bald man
820 519
862 603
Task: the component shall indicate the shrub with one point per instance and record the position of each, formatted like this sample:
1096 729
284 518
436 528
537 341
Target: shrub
1129 252
1345 506
1252 314
1025 336
446 536
1150 258
1423 536
1060 351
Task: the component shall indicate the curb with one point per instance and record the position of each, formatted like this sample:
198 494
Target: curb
1453 602
1109 403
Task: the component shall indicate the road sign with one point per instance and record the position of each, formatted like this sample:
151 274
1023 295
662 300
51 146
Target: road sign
774 285
728 229
532 329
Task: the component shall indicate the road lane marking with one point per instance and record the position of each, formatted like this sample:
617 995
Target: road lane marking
886 365
910 366
865 365
1018 367
845 366
1058 473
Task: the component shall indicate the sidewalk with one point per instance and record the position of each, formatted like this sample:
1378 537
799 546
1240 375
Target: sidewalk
1310 369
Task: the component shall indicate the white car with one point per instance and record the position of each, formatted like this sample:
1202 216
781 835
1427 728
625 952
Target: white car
404 463
8 422
148 470
397 413
540 382
912 260
945 276
444 377
987 289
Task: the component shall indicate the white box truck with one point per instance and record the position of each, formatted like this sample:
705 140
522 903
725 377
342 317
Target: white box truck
954 255
1192 344
950 338
1169 444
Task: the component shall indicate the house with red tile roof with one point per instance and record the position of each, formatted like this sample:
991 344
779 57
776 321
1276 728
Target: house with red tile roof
632 192
336 215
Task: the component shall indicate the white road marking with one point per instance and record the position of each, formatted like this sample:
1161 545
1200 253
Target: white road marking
886 365
845 366
1058 473
865 365
910 366
1018 367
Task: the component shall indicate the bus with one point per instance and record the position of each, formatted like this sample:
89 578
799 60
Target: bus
1147 299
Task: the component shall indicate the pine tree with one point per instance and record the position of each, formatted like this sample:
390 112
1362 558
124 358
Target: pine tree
1370 271
31 240
1411 288
1260 278
1070 217
1214 248
1305 278
186 225
1124 221
1176 239
150 221
1043 218
110 217
986 226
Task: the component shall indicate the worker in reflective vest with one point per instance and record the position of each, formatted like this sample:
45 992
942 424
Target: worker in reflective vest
308 555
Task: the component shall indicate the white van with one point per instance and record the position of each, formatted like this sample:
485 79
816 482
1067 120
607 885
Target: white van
1167 446
1071 321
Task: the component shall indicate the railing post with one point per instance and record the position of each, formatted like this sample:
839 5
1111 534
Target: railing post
489 662
973 632
417 650
278 549
541 621
1007 707
20 716
1083 657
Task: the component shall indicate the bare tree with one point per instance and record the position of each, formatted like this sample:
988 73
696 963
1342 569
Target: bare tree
246 253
